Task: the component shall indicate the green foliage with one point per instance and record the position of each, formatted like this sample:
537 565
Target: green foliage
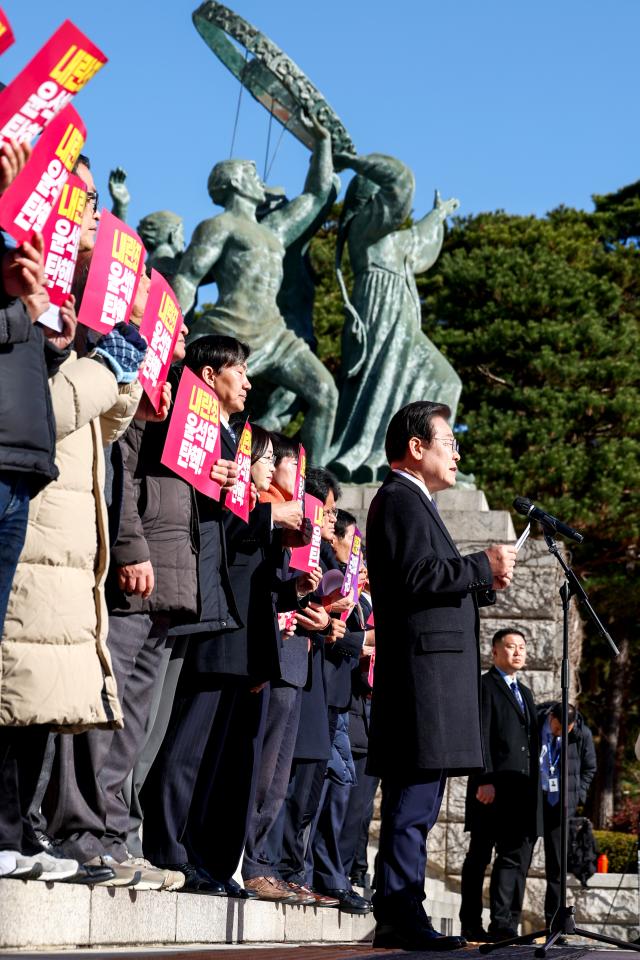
621 849
328 315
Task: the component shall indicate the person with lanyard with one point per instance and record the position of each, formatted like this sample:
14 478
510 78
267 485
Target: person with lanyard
503 804
581 767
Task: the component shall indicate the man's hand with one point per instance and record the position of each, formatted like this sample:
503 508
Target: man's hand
298 538
136 578
287 624
23 268
486 793
13 158
287 515
337 631
61 339
502 559
146 410
140 302
314 618
224 472
308 582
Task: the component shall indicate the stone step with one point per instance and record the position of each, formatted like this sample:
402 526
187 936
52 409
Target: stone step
38 915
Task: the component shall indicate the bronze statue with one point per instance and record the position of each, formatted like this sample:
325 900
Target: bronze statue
162 233
387 361
245 258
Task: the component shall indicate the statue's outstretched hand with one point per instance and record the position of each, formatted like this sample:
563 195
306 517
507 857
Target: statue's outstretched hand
117 186
314 126
445 207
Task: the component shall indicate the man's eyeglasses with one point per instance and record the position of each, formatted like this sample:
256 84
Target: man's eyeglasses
449 442
331 514
93 198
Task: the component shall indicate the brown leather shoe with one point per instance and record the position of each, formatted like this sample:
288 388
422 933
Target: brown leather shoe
306 897
271 888
318 899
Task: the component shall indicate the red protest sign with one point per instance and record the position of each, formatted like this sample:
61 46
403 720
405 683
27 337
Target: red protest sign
61 234
161 324
49 81
193 439
238 499
117 262
26 204
6 33
307 558
301 476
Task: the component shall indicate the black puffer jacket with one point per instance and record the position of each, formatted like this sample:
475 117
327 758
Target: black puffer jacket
581 758
27 425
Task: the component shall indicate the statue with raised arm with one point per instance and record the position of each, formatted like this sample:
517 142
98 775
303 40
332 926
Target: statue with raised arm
245 258
387 361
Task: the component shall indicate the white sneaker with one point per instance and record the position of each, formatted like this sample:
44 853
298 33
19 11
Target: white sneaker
53 868
156 878
8 861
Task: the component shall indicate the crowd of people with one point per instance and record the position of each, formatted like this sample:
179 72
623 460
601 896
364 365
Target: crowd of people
177 702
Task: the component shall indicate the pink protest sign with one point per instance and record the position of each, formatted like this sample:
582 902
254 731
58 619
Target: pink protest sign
49 81
117 262
307 558
237 500
301 476
61 234
6 33
350 583
161 324
26 205
371 621
193 439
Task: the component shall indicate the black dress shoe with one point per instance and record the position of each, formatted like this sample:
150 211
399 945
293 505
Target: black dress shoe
477 935
498 934
350 902
239 893
90 874
416 938
197 880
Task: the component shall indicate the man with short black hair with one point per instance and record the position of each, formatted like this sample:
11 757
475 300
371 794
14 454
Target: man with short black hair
503 803
426 598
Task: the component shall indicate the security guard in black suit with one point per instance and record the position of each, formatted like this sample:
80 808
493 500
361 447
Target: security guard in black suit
503 807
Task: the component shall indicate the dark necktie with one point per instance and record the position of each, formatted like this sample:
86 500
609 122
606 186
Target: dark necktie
515 689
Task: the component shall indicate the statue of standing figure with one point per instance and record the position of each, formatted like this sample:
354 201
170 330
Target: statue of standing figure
387 361
246 260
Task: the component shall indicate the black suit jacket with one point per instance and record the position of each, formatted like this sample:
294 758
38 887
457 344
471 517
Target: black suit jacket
511 747
425 711
341 656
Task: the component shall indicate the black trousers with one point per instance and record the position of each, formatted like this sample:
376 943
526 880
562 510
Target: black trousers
22 751
354 838
508 876
200 791
552 819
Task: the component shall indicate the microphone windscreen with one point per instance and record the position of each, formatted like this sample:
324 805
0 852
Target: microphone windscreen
522 505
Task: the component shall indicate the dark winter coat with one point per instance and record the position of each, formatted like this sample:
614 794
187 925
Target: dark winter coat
425 711
581 759
27 424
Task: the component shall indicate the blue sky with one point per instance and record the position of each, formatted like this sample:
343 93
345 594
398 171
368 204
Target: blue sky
502 103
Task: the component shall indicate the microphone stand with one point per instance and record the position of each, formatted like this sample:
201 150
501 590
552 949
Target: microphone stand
563 922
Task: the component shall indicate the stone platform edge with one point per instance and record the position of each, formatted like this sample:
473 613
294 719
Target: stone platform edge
48 915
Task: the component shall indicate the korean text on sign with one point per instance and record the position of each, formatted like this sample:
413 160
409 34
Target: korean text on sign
47 84
238 499
61 236
193 439
26 205
307 558
161 325
6 33
349 586
116 265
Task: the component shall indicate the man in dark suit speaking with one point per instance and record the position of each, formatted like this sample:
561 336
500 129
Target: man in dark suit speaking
425 714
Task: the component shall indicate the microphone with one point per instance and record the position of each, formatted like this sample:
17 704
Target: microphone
528 509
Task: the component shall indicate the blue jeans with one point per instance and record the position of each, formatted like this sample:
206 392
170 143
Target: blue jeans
14 513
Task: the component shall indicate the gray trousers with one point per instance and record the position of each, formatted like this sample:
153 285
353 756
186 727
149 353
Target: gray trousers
83 805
